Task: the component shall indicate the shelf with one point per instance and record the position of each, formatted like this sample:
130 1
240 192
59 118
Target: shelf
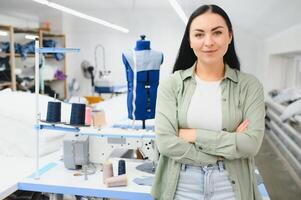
47 81
4 54
33 55
4 27
52 35
59 86
3 84
25 30
108 132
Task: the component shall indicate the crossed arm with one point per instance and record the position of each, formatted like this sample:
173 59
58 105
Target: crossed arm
189 135
205 146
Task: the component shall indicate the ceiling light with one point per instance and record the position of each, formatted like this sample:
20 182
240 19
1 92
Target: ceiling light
82 15
178 10
3 33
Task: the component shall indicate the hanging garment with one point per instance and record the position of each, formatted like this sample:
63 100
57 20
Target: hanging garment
29 48
5 73
25 49
4 46
52 44
142 73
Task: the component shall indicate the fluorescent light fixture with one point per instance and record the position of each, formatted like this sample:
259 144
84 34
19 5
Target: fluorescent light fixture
3 33
82 15
178 10
31 37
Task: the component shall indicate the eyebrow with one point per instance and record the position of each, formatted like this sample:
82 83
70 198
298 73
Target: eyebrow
200 30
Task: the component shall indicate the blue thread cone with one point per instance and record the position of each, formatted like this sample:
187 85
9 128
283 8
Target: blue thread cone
78 114
121 167
53 112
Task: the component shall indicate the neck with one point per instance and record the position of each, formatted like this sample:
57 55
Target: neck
142 45
210 72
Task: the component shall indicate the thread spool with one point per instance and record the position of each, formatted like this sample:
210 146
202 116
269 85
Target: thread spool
116 181
88 118
121 167
78 113
53 112
107 171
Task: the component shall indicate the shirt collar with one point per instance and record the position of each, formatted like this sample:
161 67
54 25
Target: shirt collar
229 73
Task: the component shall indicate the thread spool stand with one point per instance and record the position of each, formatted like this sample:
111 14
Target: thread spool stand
39 50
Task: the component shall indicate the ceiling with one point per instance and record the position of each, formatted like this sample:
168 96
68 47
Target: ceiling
257 17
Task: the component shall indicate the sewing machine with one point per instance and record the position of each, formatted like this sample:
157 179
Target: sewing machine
104 143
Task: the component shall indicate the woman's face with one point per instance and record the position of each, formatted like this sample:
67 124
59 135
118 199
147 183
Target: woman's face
209 38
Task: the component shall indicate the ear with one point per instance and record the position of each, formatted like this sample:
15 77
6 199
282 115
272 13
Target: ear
230 38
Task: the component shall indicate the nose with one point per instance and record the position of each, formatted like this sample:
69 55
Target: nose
208 42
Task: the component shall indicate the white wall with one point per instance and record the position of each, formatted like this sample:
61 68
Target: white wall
274 60
161 26
248 50
18 22
163 29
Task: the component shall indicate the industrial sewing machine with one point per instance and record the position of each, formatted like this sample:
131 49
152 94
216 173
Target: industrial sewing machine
99 144
118 142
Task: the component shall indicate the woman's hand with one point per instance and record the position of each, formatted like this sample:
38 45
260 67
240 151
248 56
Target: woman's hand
243 126
188 135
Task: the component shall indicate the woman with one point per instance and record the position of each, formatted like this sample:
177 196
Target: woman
209 117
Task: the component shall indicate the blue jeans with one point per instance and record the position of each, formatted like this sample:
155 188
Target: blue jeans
201 183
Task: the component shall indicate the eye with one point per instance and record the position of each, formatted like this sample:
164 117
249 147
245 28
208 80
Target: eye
199 35
217 33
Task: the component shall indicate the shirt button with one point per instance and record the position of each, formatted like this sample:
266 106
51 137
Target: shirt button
224 99
200 148
224 129
233 182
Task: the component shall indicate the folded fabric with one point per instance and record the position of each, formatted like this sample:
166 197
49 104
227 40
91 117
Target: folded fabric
59 75
52 44
4 46
146 167
288 95
148 181
291 110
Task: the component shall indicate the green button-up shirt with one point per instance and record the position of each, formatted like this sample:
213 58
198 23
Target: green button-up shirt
242 98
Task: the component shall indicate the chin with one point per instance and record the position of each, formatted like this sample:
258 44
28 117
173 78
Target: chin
210 61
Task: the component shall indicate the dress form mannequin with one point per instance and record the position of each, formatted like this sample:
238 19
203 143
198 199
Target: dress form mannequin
142 70
142 44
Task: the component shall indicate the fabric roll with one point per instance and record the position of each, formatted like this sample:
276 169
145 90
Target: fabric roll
117 181
107 171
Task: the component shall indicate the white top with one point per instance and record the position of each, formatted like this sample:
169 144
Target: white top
205 109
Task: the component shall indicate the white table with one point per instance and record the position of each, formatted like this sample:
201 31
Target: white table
57 179
14 169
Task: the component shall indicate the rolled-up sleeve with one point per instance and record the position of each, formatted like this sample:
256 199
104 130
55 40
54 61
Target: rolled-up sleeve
166 128
232 145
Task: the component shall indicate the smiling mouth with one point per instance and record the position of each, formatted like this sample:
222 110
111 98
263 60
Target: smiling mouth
210 51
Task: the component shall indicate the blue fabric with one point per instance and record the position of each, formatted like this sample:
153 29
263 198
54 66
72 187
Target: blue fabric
4 46
29 48
148 71
148 181
4 63
5 69
52 44
25 49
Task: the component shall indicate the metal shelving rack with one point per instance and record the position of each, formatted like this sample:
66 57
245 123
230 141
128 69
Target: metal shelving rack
38 51
12 62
